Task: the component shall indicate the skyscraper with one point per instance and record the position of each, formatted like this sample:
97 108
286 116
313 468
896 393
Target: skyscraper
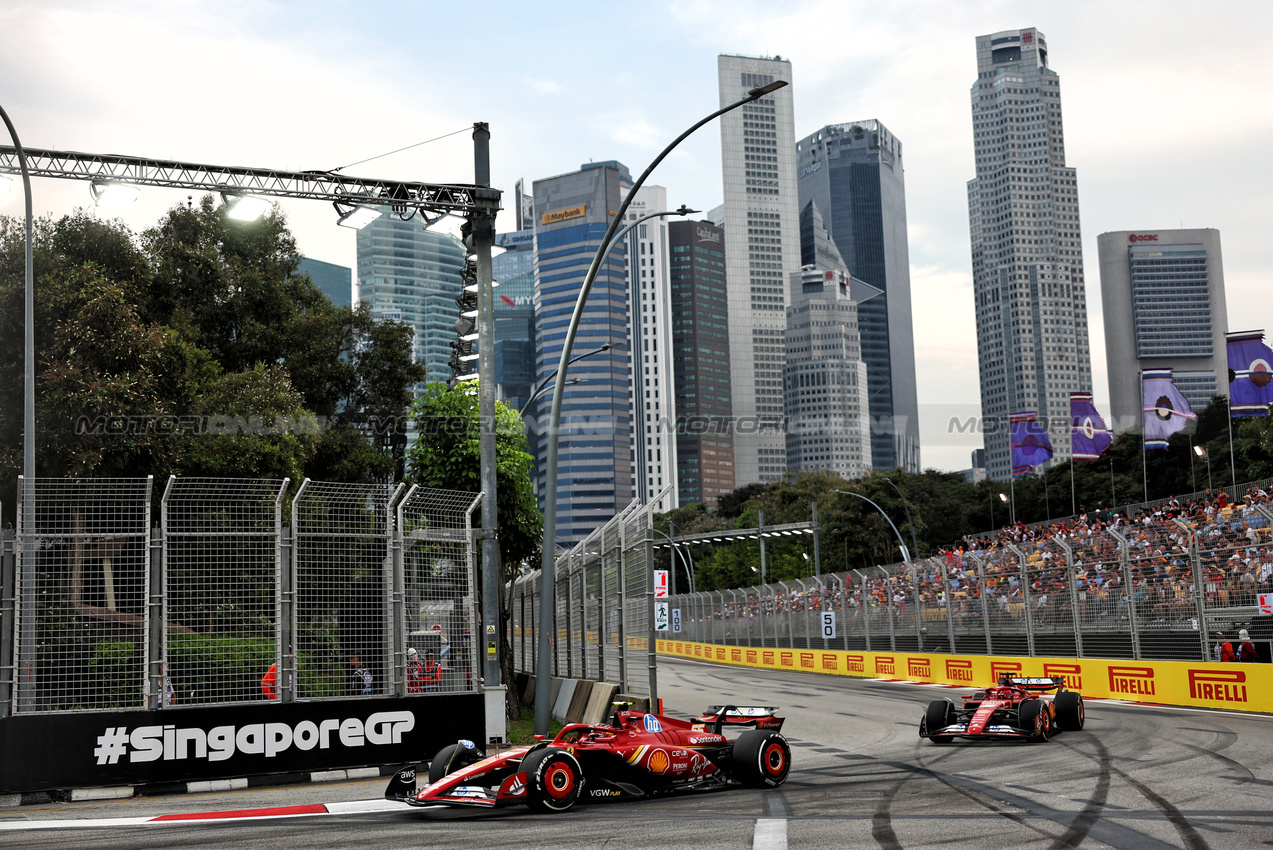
853 173
1027 260
700 361
762 250
410 274
1163 297
594 475
335 281
653 407
514 271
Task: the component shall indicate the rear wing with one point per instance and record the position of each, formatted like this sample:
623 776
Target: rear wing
739 717
1034 683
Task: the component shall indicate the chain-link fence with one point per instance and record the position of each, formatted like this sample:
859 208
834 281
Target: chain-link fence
603 599
1157 589
222 603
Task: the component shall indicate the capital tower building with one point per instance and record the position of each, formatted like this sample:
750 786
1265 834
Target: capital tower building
762 250
1027 259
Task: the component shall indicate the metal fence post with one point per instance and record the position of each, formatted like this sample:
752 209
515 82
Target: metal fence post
1129 590
623 607
1075 615
8 574
154 630
984 599
654 646
1025 594
948 597
1199 595
398 607
287 615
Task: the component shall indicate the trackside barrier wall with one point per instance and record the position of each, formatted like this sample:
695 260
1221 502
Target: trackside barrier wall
113 609
1236 687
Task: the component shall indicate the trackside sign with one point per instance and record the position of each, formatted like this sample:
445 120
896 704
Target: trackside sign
87 749
1246 687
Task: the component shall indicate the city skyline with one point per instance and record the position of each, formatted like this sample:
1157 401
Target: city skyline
1129 106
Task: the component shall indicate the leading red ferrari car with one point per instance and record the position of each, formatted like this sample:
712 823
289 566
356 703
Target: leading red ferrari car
1017 708
636 755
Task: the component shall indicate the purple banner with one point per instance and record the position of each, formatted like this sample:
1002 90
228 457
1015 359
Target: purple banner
1030 444
1166 410
1250 374
1089 435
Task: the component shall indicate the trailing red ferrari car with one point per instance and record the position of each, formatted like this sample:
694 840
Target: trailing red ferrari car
637 755
1017 708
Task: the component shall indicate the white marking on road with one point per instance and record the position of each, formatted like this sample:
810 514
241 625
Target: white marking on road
770 834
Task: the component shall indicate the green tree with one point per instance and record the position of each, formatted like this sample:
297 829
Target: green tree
447 455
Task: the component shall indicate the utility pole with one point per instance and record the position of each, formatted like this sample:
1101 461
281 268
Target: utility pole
483 236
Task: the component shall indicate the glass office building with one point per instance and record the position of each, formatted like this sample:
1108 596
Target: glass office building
595 475
335 281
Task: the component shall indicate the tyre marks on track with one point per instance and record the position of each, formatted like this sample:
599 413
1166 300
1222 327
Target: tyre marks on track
882 822
1091 812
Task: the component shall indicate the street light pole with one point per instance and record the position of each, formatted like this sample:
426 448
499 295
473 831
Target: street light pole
906 557
543 676
909 521
538 391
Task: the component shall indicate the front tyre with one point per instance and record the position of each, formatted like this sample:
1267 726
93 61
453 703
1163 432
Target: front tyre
553 780
761 759
1070 712
938 716
451 758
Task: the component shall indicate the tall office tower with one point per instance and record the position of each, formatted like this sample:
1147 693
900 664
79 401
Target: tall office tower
853 173
825 380
1027 261
653 407
700 362
594 475
407 273
1163 297
514 271
335 281
762 250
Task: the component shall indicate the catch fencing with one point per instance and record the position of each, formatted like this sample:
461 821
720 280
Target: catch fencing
1157 590
603 603
222 603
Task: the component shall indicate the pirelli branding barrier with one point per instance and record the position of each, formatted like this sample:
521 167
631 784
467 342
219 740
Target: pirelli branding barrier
1244 687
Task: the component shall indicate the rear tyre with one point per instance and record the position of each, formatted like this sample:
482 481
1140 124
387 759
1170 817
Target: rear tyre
553 780
761 759
1033 718
1070 712
939 715
451 758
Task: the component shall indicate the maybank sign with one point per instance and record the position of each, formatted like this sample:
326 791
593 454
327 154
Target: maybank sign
1247 687
563 215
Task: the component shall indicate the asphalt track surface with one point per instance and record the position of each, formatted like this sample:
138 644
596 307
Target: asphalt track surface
1135 777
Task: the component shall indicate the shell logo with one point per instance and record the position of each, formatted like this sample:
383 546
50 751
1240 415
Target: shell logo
659 761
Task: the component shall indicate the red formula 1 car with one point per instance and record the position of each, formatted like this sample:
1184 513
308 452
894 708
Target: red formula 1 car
1017 708
636 755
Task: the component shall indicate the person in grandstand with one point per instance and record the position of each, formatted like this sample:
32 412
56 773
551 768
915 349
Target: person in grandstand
430 673
1223 650
269 682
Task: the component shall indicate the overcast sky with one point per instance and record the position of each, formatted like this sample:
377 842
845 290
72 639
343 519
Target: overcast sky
1168 110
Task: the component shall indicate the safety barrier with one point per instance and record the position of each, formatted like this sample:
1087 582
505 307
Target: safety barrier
1241 687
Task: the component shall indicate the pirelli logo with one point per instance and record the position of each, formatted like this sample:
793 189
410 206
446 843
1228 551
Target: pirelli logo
919 668
1218 685
829 661
885 665
564 215
767 657
735 655
698 650
855 663
720 653
806 660
1071 673
1004 668
1135 681
751 656
680 648
787 659
959 671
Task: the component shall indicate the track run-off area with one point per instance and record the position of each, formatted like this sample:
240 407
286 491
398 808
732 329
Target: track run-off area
1138 776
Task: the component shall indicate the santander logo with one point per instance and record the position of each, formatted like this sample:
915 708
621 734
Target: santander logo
1143 237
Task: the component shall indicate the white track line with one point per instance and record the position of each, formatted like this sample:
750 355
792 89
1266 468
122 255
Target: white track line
770 834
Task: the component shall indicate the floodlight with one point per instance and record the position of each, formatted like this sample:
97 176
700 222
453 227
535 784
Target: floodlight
357 217
113 195
470 377
245 207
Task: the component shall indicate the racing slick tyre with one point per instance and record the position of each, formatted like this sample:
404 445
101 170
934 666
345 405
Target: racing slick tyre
1070 713
1034 719
553 780
938 716
761 759
452 758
